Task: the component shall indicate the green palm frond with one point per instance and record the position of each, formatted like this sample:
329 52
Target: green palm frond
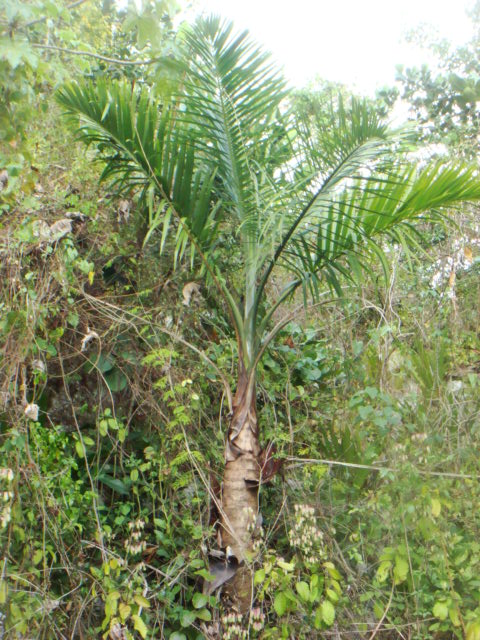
232 93
341 131
378 207
351 150
143 148
227 159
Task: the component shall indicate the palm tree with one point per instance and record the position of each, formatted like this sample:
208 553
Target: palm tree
225 158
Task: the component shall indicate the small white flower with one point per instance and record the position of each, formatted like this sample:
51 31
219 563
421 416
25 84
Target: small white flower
5 516
31 411
38 365
6 474
88 337
118 632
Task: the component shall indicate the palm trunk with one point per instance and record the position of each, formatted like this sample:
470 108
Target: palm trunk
240 490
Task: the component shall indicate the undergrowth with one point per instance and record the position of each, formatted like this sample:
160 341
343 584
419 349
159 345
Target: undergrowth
113 422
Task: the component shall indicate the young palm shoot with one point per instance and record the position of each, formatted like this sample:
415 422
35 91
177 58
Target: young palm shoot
225 157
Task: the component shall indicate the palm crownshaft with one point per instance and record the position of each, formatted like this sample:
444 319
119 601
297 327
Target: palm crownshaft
224 157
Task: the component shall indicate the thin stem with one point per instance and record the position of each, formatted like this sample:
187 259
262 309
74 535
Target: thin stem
279 326
249 321
369 467
99 303
97 56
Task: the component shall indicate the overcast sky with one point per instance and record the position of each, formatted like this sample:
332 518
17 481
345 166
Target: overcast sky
357 42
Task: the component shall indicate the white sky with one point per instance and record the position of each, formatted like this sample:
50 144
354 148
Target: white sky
357 42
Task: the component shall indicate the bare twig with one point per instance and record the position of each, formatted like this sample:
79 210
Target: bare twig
380 622
423 472
97 56
121 315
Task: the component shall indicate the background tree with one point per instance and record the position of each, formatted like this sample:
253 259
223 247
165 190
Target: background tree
222 160
444 97
42 44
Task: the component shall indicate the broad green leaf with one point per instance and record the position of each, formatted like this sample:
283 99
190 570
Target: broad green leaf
436 507
114 483
102 364
116 380
140 626
80 449
400 571
203 573
141 601
473 630
303 591
148 30
328 612
332 595
111 606
378 610
440 610
318 621
3 591
199 600
73 319
454 616
204 614
17 51
330 567
383 570
259 576
187 618
134 475
124 611
37 556
280 603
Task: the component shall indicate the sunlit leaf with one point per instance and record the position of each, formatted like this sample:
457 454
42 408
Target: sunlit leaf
280 603
328 612
440 610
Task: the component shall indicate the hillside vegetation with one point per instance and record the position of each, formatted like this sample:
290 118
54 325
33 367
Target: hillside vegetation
122 353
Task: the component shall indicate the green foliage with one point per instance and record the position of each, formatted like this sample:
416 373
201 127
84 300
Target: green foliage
112 425
43 43
444 99
350 182
301 594
27 71
149 142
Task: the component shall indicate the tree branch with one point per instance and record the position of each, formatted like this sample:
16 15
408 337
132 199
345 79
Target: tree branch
97 56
